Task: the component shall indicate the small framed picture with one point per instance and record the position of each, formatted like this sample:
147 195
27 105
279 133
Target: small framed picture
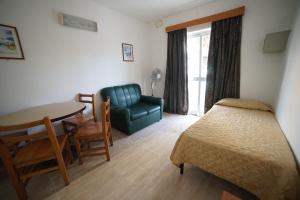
127 50
10 45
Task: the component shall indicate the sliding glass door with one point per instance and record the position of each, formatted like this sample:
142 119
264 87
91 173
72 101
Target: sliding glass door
197 46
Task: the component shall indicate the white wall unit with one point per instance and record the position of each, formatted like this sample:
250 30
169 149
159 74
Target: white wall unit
62 61
288 102
260 73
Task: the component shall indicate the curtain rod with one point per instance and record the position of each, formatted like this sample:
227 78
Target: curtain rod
219 16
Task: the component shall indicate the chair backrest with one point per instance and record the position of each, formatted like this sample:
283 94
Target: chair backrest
14 146
105 110
124 95
89 99
6 141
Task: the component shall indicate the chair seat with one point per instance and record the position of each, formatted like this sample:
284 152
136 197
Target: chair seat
37 151
79 119
91 131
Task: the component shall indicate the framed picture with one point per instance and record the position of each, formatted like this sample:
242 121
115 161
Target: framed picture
10 45
127 50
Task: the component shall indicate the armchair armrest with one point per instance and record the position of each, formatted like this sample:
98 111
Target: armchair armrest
155 100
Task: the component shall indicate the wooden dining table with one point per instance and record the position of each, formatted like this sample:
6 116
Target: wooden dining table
55 111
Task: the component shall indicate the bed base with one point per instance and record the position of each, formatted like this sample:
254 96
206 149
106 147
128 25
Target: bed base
181 166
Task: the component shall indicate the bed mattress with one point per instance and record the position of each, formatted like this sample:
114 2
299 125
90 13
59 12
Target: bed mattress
244 146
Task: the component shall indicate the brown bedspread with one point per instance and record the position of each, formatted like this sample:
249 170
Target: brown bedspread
243 146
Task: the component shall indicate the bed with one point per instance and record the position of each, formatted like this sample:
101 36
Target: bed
241 142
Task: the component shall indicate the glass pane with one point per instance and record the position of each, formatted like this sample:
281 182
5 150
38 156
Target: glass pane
197 47
205 48
193 48
202 95
193 97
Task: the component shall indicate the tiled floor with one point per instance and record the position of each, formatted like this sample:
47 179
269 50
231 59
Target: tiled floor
140 168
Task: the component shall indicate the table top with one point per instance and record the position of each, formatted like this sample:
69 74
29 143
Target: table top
55 111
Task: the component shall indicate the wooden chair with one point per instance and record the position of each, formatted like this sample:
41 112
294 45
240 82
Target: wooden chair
97 131
71 125
12 147
36 154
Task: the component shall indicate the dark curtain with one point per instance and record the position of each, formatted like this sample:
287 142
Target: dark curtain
176 83
223 67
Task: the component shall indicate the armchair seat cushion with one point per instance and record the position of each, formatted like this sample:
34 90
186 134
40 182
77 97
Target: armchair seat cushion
151 108
137 111
141 109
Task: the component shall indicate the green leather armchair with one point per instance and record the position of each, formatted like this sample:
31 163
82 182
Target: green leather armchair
130 110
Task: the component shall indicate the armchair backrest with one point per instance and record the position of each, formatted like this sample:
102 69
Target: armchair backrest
124 95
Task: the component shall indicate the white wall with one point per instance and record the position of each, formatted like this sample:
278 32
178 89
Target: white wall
288 106
260 73
60 61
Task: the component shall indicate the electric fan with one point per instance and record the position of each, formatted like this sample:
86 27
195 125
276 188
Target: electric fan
155 78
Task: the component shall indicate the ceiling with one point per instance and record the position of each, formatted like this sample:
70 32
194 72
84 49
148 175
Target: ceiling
151 10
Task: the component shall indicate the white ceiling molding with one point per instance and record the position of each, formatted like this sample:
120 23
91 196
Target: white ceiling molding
151 10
